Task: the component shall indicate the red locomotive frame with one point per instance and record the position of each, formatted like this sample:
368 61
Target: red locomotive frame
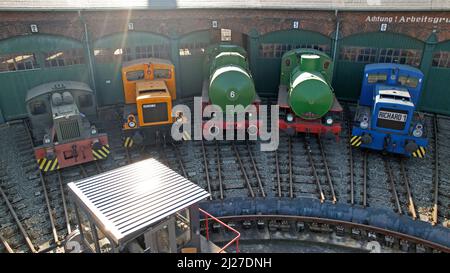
72 153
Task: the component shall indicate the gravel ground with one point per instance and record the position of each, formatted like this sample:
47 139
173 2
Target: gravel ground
24 185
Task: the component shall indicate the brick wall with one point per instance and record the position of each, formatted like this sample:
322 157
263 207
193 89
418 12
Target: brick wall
181 22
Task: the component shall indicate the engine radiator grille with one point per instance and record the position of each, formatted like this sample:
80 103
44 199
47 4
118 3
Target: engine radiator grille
69 129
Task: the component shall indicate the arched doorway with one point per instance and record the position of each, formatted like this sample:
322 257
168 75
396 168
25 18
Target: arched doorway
112 50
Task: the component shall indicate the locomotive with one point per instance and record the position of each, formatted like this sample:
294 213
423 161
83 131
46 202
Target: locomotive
228 81
305 96
386 117
59 114
149 90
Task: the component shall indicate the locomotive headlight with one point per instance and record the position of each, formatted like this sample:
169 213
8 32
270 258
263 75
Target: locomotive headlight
289 117
93 130
364 124
46 139
418 131
131 124
329 120
131 121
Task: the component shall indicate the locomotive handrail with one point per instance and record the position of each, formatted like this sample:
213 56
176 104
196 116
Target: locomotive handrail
235 239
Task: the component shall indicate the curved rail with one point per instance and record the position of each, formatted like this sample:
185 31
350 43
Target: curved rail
379 230
235 239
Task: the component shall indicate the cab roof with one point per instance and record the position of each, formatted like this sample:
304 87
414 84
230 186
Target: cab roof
146 61
56 86
151 85
385 66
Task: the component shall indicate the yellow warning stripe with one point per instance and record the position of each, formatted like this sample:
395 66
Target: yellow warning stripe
128 142
186 135
104 149
420 153
41 163
356 141
47 164
54 164
102 153
96 155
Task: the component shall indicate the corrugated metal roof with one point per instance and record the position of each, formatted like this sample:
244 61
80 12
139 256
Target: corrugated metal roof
126 201
261 4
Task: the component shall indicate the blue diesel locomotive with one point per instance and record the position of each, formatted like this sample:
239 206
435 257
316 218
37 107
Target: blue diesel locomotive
386 119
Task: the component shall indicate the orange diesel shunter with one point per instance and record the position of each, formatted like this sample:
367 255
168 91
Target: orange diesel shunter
149 89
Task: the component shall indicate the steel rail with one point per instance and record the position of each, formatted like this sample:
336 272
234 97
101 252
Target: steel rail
219 169
393 188
277 166
411 206
5 244
350 155
44 188
434 219
241 165
205 162
291 179
255 168
316 176
180 161
335 222
63 197
19 224
327 171
365 155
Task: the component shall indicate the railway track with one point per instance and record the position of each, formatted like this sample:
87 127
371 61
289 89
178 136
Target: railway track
307 172
23 192
288 227
300 168
13 235
441 187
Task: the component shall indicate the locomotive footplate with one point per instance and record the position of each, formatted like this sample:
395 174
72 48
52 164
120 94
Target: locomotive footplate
52 157
146 135
393 143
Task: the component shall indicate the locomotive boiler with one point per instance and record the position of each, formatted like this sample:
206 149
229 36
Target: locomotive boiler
228 82
305 96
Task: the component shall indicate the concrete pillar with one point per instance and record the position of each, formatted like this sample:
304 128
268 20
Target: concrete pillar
335 38
427 59
175 56
194 218
2 119
89 53
254 49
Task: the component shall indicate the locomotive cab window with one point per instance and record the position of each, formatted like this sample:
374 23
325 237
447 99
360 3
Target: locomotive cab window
135 75
375 78
408 81
162 74
85 101
38 107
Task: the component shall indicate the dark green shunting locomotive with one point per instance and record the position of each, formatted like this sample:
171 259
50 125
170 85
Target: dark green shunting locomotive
229 81
306 98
